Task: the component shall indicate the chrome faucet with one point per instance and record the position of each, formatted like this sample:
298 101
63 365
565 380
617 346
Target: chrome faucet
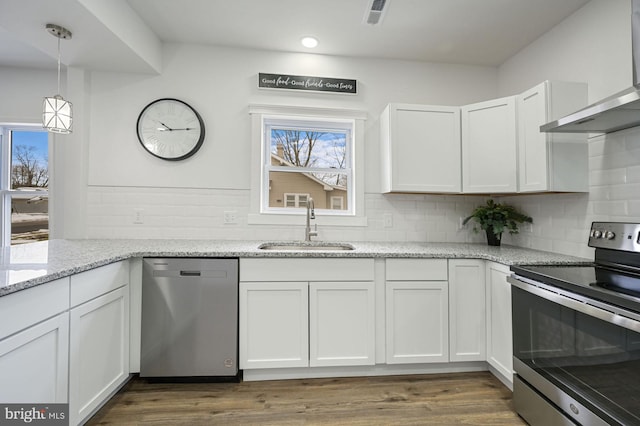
308 233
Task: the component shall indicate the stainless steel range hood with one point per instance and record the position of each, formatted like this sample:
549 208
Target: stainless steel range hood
617 112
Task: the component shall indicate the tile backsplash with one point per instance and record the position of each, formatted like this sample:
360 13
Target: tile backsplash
561 221
199 213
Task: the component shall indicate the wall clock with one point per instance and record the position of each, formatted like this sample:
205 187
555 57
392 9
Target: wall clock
170 129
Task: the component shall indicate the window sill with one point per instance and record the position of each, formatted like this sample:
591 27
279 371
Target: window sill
289 219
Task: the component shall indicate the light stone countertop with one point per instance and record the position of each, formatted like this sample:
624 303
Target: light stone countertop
28 265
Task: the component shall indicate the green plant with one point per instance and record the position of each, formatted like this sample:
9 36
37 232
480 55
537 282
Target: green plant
497 218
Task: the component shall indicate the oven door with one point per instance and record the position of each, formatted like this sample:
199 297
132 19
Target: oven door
580 354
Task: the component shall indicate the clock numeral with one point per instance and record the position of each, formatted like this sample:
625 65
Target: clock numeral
171 108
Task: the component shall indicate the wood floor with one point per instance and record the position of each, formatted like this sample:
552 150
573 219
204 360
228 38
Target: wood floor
441 399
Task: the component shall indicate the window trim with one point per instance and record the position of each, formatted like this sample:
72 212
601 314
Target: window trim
6 193
258 113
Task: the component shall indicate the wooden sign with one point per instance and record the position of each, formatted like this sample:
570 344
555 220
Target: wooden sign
304 82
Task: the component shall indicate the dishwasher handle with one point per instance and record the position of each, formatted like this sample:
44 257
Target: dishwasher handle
192 273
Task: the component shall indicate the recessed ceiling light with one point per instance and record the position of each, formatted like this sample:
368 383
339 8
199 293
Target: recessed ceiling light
309 42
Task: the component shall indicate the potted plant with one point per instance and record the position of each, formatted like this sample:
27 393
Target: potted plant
495 218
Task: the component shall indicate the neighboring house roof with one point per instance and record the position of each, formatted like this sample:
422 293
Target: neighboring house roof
326 186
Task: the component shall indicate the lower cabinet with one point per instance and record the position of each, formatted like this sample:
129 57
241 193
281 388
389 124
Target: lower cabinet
274 324
98 338
467 310
499 337
34 342
341 323
304 323
33 363
417 311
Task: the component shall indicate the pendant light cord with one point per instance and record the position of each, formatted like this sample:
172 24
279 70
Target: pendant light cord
58 65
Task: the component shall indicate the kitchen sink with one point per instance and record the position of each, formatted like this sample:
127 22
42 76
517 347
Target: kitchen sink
307 246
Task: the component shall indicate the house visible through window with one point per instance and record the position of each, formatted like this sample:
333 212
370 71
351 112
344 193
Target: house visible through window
24 184
308 158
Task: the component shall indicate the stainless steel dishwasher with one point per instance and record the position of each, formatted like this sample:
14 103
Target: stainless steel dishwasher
189 317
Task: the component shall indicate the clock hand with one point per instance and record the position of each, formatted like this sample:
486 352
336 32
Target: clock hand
165 126
186 128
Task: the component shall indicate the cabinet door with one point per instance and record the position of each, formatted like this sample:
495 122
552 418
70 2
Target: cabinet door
417 322
533 145
274 324
34 362
99 351
489 146
499 337
467 310
546 161
421 148
341 323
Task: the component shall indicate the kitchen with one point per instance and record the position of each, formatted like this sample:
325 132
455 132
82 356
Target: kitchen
101 175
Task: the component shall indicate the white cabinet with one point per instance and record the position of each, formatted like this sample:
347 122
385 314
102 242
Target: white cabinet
99 337
499 337
306 312
33 363
34 342
489 146
274 324
417 314
341 323
420 148
551 161
467 310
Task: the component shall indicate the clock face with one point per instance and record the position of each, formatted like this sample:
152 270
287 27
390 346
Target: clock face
170 129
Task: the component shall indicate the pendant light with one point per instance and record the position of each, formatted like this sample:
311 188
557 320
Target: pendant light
57 114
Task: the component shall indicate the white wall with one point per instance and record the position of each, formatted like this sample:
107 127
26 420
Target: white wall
22 91
187 199
594 46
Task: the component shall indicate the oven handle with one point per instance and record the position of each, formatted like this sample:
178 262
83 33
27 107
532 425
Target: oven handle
585 305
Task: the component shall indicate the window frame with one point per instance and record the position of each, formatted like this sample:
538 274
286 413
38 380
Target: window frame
320 124
257 114
7 195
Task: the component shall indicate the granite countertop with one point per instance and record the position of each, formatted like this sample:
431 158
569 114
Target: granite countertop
28 265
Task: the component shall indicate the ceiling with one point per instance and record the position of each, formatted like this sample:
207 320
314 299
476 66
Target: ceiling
116 34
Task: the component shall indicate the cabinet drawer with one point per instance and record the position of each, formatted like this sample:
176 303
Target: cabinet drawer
91 284
306 269
27 307
416 270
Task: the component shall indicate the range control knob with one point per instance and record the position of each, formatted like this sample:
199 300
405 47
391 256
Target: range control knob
609 235
596 234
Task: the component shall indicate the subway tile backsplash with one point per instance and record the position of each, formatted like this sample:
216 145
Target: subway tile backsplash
561 221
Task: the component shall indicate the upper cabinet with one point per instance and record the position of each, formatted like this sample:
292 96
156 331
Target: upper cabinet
551 161
420 148
489 146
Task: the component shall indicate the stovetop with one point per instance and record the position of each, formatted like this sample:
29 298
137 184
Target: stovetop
600 283
614 276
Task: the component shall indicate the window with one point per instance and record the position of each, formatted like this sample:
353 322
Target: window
295 200
307 158
341 130
24 184
337 203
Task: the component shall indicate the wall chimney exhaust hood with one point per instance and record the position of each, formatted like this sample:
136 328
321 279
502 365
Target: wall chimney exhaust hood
617 112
